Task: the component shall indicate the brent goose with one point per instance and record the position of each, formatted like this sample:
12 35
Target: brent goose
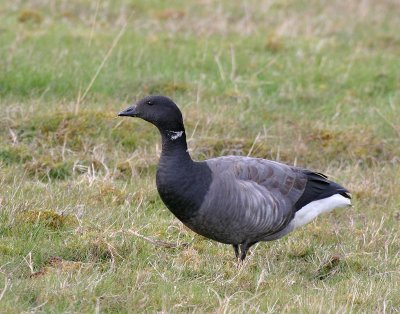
232 199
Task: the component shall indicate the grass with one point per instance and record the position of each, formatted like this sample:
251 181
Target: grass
82 228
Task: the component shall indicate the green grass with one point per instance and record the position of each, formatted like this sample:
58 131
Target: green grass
309 83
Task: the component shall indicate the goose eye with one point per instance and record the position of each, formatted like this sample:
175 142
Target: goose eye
149 103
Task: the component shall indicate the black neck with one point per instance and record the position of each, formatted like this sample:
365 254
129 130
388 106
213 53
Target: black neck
174 145
181 182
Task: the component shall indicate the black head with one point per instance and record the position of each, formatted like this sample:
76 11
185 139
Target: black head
158 110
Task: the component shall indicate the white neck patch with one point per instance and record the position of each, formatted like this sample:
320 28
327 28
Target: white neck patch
175 134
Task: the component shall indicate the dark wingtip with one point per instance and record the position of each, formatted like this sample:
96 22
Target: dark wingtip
319 187
346 194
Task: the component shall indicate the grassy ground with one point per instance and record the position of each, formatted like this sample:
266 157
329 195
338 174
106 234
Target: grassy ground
312 83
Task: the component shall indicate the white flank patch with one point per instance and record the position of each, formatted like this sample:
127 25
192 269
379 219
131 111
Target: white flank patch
175 134
307 213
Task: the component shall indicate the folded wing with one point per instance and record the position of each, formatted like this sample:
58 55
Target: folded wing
249 199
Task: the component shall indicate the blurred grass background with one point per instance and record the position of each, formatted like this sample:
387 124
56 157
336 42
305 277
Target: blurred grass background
310 83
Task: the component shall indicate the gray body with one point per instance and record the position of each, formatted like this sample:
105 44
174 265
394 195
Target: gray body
249 200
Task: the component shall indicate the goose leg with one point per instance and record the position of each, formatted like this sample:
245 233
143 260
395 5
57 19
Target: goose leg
244 248
236 248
